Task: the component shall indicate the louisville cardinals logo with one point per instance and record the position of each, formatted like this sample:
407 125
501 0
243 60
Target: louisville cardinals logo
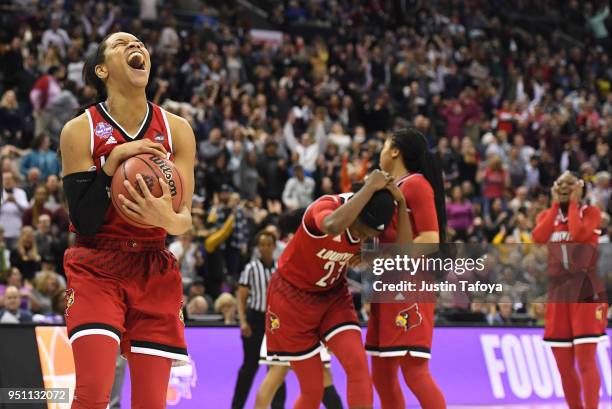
409 318
274 321
69 297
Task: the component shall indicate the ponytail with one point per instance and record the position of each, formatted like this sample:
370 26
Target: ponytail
89 74
416 156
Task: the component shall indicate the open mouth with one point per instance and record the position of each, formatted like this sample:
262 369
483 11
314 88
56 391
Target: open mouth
136 60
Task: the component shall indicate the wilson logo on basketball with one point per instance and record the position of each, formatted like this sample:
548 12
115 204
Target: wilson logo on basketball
167 171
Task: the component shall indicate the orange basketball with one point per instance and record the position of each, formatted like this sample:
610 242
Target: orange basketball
151 168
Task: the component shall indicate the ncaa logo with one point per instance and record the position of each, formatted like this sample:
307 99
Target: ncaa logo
103 130
159 138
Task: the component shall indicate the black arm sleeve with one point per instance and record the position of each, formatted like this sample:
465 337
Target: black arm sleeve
88 200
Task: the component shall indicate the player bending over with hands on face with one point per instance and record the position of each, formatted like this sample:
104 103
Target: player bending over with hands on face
308 298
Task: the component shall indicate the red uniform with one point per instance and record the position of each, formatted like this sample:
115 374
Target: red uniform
568 323
309 300
122 282
395 329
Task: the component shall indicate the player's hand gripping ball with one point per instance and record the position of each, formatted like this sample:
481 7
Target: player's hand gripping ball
151 168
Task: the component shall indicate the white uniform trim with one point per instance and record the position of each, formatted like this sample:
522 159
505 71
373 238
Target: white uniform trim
342 328
91 132
559 344
94 331
310 354
386 354
264 359
420 354
590 340
157 352
144 121
167 129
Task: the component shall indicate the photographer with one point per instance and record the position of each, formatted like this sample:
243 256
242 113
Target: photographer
13 203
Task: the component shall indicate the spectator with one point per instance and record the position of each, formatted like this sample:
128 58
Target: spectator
55 36
13 203
55 194
601 190
45 243
214 246
14 278
5 253
185 249
213 146
196 289
46 287
31 183
494 182
596 21
11 313
272 171
459 215
503 314
197 306
25 255
309 146
537 312
12 119
31 215
298 190
521 200
601 158
44 93
226 305
41 157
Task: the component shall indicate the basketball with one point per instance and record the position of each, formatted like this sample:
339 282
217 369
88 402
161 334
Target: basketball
151 168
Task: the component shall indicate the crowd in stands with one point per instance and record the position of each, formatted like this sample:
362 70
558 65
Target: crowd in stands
281 120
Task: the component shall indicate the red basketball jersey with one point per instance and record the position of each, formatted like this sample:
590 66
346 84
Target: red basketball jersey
580 230
314 261
420 204
589 216
106 134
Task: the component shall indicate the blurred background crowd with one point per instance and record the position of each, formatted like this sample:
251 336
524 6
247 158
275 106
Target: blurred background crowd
290 100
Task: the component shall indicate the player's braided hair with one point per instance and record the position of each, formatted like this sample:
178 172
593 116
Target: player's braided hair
416 156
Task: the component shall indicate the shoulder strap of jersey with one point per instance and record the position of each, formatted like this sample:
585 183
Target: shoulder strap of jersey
90 112
166 125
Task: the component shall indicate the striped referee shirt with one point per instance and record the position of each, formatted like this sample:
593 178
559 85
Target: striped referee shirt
256 276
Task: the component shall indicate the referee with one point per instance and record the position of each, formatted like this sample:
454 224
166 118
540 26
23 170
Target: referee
251 296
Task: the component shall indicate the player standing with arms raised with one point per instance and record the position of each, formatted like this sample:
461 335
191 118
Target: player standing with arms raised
124 287
573 329
308 298
400 334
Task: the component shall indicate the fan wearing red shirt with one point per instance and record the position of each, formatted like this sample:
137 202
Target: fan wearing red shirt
400 334
573 329
308 299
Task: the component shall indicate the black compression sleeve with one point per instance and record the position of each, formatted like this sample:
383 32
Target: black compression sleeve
88 200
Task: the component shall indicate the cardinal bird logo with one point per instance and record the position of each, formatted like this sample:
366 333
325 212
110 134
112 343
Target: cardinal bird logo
274 321
69 297
409 318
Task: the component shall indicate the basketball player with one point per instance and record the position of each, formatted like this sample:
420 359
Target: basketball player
309 300
124 287
400 334
278 372
573 329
